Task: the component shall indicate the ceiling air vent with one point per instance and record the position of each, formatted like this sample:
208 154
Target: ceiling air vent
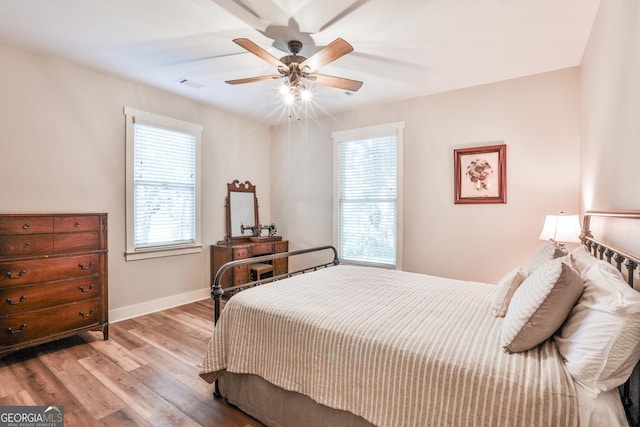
190 83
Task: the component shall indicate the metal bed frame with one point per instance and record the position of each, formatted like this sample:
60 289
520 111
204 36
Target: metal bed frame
630 389
217 291
629 392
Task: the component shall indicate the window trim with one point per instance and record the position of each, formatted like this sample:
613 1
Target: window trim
394 128
132 116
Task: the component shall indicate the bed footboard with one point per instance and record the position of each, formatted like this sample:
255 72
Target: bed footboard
217 291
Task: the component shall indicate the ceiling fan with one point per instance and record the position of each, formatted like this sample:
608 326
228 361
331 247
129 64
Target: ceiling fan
295 68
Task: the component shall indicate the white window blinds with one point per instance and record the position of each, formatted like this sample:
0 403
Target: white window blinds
367 196
164 187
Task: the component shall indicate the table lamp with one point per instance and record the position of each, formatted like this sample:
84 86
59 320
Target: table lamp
561 229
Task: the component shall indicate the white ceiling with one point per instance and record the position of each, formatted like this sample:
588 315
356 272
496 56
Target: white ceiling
402 48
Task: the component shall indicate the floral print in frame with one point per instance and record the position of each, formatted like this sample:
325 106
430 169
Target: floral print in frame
481 174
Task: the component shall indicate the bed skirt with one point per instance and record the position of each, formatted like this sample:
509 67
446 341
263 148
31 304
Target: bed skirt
276 407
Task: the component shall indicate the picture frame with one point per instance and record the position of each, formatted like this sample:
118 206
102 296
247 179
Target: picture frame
480 174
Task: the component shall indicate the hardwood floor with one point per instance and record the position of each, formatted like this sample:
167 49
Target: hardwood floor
146 374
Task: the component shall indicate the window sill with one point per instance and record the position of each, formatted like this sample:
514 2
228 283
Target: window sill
368 264
163 252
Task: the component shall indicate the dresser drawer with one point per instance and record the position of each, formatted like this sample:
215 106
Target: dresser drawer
25 225
76 224
21 327
45 244
240 274
26 245
24 272
18 299
65 242
262 249
240 253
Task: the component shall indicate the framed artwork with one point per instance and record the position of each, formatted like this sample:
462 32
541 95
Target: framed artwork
480 174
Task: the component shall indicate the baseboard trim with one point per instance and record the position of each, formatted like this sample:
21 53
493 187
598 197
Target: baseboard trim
135 310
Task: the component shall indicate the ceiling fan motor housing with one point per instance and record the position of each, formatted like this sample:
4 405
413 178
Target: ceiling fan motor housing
294 46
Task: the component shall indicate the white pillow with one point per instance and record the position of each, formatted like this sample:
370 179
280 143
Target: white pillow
582 259
540 305
504 290
599 341
541 256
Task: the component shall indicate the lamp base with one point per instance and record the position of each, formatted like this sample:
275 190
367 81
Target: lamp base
561 249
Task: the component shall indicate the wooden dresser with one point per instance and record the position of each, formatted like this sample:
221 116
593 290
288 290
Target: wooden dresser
225 252
53 277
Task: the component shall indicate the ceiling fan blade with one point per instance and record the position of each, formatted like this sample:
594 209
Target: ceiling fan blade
339 82
260 52
342 14
327 54
253 79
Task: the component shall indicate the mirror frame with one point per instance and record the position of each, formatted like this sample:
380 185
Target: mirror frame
245 187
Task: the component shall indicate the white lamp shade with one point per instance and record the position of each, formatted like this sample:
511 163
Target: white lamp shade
561 228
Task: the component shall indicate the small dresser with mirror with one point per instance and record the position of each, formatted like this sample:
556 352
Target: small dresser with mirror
246 238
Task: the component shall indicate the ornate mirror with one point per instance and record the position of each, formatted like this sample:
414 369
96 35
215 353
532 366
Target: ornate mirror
242 211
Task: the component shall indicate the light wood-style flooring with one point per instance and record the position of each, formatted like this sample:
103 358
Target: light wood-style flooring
146 374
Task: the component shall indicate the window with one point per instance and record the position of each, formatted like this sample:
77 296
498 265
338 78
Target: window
368 191
163 185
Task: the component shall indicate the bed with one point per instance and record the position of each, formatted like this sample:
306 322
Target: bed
362 346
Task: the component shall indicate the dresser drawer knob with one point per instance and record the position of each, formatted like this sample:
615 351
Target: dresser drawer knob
83 314
17 331
86 267
27 245
19 275
26 226
83 289
77 224
12 302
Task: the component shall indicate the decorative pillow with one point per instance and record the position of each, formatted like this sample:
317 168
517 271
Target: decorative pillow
582 259
504 290
542 255
540 305
599 340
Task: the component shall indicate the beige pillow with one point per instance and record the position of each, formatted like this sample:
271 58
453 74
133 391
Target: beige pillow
541 256
540 305
599 340
504 290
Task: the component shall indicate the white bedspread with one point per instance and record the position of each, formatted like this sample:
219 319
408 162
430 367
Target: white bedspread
396 348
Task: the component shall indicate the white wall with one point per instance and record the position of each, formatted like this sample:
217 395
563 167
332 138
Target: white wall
537 117
62 146
610 87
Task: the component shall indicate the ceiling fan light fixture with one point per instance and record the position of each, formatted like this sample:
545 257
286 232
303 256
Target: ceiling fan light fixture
293 93
306 95
284 90
289 99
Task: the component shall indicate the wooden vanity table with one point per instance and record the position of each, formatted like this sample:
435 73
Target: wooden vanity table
244 239
224 252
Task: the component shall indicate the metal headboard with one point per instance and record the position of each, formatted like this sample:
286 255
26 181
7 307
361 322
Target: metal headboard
629 391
